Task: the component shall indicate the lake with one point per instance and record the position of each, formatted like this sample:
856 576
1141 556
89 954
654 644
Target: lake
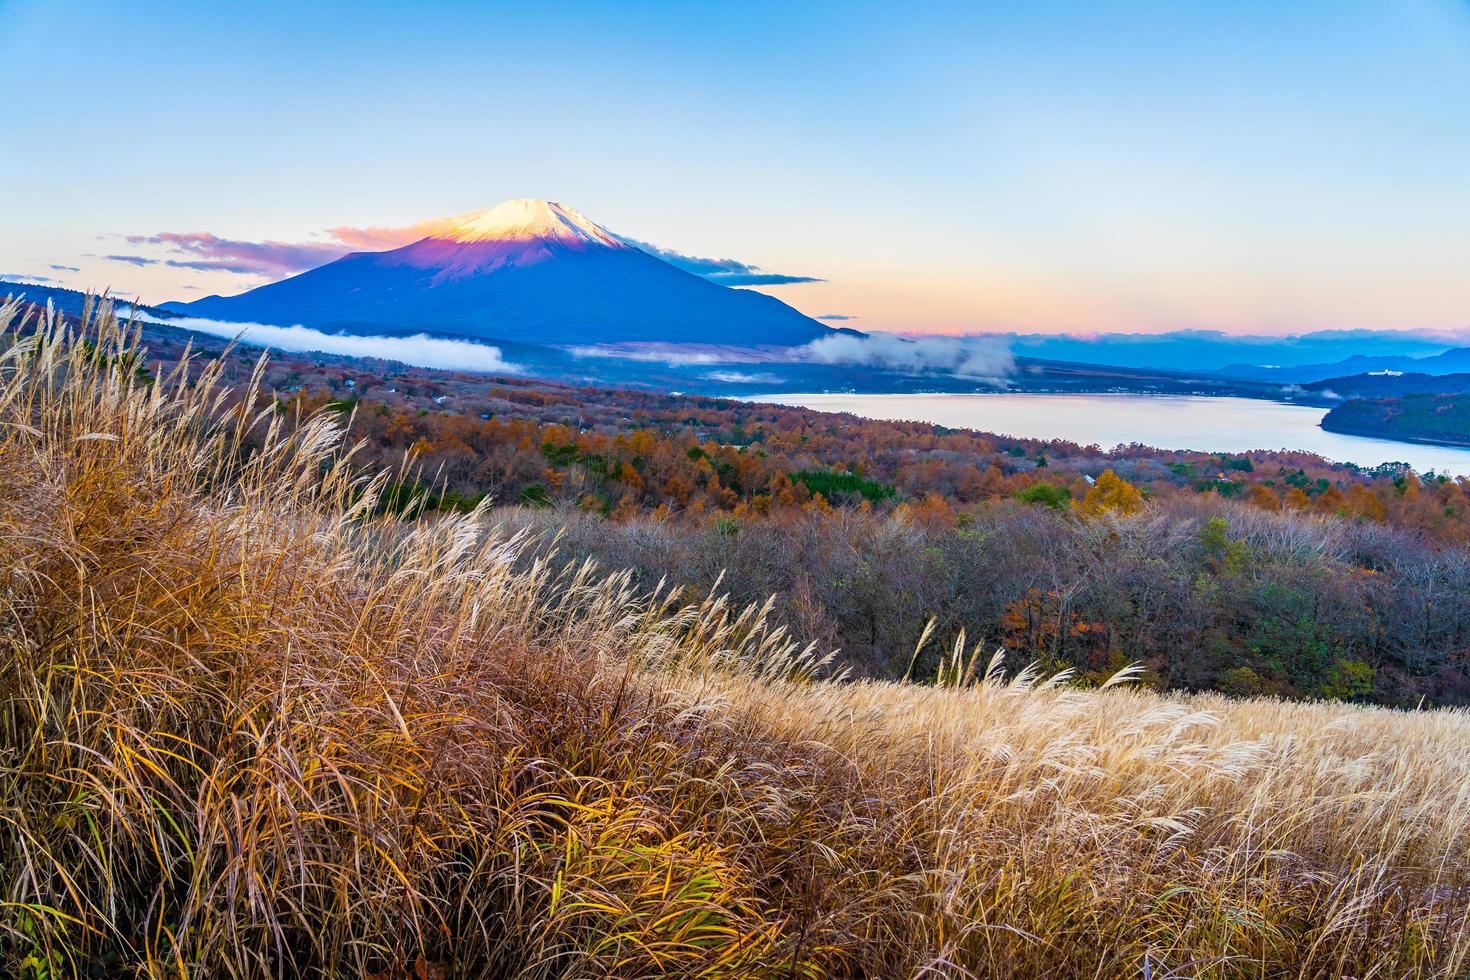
1230 425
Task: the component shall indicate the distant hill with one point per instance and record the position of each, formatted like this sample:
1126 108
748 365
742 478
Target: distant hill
69 301
1391 384
532 271
1436 418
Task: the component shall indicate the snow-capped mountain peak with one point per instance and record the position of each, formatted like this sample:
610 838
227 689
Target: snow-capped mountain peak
525 270
526 219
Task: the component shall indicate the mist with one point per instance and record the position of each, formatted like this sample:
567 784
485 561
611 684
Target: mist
420 350
982 358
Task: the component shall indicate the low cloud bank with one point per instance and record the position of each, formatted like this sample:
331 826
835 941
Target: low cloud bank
743 377
420 350
982 358
649 353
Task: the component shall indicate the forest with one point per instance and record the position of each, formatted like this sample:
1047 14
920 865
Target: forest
1207 594
1265 573
1441 417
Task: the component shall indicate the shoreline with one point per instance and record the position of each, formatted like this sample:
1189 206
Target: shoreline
1352 430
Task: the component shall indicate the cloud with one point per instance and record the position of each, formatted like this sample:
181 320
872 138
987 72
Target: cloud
836 316
983 358
275 258
18 276
131 259
244 257
214 265
758 279
420 349
727 272
691 263
65 268
378 239
650 353
742 377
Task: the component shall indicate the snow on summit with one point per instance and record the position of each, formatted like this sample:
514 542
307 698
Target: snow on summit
527 219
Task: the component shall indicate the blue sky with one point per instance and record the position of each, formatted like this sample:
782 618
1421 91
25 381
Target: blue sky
1252 167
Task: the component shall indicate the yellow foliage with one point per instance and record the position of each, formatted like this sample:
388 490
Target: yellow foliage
1111 494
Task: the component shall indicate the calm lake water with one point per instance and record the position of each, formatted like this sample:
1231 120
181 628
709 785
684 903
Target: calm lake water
1232 425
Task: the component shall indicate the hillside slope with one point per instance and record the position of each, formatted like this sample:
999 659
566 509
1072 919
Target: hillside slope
251 729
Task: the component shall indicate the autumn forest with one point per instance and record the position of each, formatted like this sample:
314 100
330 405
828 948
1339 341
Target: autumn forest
1268 573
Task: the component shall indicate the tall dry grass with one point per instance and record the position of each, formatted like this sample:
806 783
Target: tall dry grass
250 729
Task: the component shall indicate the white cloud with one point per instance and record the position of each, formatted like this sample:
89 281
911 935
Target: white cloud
982 358
650 353
420 349
742 377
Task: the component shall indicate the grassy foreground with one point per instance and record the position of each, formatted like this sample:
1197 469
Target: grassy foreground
249 729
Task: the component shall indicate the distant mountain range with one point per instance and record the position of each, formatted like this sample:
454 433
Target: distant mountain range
695 368
1267 356
1456 360
560 296
527 270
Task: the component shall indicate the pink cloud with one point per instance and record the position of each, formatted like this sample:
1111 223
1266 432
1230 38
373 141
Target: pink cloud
272 258
378 239
246 258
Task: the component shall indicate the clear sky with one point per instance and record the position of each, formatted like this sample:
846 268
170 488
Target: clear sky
1252 167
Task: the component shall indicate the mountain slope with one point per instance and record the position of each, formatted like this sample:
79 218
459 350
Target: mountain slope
525 270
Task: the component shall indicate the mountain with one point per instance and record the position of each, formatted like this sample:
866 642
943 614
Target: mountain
1456 360
527 270
1221 353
